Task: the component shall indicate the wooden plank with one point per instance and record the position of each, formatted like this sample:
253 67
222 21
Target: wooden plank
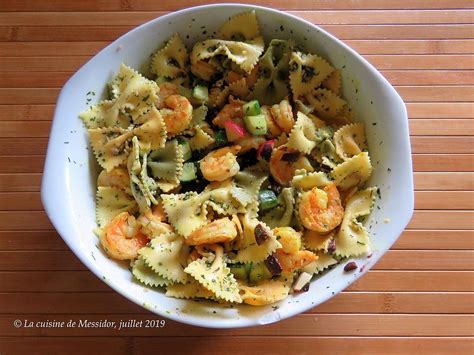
21 164
10 146
443 200
82 345
442 127
460 260
238 345
141 5
440 144
20 201
20 129
452 46
18 220
436 93
344 32
345 302
31 240
28 112
302 325
427 260
442 220
429 77
135 18
435 239
440 110
443 162
374 280
20 182
443 181
28 96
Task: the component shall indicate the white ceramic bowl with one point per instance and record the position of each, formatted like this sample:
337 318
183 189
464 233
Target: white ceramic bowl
68 187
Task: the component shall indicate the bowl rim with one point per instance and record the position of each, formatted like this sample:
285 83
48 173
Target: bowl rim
49 168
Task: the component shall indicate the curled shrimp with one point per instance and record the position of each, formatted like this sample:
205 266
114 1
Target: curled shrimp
284 162
117 177
321 210
273 130
166 89
220 164
219 231
152 225
177 114
290 256
122 238
283 115
231 111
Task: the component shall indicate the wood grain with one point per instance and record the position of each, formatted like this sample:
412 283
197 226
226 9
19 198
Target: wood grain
419 297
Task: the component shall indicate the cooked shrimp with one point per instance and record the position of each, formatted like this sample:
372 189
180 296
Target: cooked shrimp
283 115
284 162
177 114
273 130
117 177
231 111
203 70
166 89
321 210
220 164
159 212
290 262
218 231
249 141
122 238
152 226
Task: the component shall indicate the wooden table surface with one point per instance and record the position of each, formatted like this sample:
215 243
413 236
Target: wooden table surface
419 297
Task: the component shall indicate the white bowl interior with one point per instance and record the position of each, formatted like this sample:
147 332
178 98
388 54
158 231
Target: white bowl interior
68 188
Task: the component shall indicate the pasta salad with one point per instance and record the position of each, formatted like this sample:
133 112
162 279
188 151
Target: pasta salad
234 171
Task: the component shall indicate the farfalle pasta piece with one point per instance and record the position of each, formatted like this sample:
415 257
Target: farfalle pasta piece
148 183
95 116
192 289
241 27
350 140
247 184
201 139
354 171
110 202
166 164
302 136
281 215
274 68
110 146
152 131
353 239
170 61
333 82
306 181
215 276
265 291
249 250
166 255
315 241
185 212
323 262
325 103
307 71
145 274
117 177
244 54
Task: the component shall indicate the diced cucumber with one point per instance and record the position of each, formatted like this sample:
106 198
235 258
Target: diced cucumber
259 272
240 271
201 93
186 148
189 172
220 137
252 108
256 125
267 199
